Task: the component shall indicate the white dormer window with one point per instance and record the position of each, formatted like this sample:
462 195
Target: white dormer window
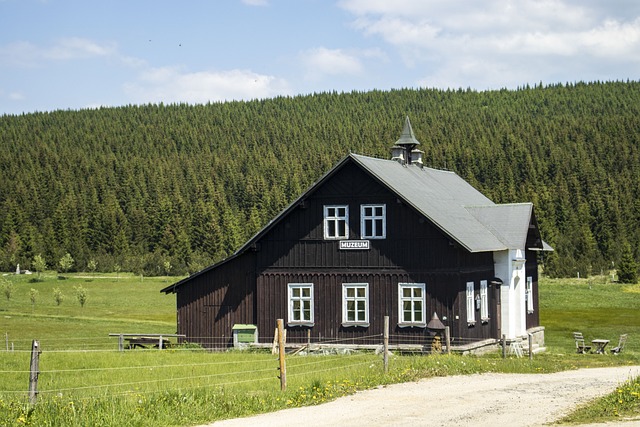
373 221
336 222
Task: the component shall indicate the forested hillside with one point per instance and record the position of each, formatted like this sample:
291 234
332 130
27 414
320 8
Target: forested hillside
171 188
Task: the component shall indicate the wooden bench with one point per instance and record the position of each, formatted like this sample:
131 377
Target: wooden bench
158 341
144 342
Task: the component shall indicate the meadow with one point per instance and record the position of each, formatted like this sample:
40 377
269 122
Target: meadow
85 380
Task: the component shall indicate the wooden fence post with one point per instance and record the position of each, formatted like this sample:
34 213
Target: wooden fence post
283 366
385 343
530 337
121 342
447 339
33 372
504 346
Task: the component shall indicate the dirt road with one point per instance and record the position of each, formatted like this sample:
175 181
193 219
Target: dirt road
473 400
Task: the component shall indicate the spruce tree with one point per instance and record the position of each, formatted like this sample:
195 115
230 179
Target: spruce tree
628 267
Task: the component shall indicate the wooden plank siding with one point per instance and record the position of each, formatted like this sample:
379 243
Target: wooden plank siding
252 288
414 251
215 301
444 296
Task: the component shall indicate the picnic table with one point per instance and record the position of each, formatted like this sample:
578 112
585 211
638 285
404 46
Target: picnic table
158 341
144 342
599 345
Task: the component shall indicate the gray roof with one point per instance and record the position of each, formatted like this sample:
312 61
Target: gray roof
509 222
455 206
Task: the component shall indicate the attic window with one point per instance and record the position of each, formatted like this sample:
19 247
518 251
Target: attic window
336 222
374 221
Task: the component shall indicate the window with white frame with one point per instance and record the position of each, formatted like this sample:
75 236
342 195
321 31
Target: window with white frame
300 304
411 304
373 221
484 301
471 312
529 294
336 222
355 304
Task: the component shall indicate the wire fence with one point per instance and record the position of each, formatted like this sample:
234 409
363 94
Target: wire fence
95 376
90 367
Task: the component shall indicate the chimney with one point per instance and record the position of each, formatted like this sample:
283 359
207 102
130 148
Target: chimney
404 150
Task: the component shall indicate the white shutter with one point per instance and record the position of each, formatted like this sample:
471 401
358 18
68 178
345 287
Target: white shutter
529 294
471 313
484 301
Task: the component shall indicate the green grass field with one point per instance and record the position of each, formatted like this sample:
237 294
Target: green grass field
115 303
85 380
592 306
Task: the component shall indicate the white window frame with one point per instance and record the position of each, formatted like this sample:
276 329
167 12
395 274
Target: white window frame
412 300
529 294
471 310
484 301
296 315
373 217
346 299
336 219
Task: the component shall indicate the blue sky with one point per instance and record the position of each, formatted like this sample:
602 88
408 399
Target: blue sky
74 54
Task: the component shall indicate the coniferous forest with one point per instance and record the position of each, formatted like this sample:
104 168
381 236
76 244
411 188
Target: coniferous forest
169 189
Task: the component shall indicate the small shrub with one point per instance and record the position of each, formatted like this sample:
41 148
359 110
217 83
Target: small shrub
7 289
58 296
81 295
66 262
33 296
39 264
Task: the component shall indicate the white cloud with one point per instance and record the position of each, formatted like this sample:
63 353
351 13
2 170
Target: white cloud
173 85
74 48
321 62
25 54
468 43
16 96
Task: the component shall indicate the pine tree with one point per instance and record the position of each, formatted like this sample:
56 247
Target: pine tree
628 267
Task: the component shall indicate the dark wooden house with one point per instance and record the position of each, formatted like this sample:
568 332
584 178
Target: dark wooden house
375 238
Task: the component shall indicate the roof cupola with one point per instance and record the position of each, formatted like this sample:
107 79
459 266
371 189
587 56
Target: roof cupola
404 150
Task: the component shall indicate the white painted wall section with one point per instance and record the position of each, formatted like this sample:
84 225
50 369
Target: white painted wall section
510 267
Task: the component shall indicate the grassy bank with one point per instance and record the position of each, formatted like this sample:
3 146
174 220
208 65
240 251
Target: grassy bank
84 380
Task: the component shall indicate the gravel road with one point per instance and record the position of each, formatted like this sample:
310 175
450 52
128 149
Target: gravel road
469 400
